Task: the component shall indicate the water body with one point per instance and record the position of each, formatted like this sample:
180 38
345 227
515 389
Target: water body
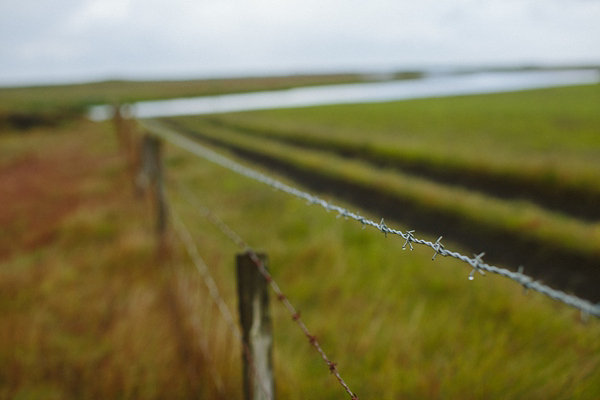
372 92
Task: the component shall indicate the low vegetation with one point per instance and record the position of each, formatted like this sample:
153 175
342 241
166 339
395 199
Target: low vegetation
23 108
514 229
81 96
546 135
515 215
398 324
88 311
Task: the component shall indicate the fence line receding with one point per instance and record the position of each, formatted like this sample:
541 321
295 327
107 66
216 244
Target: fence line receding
475 263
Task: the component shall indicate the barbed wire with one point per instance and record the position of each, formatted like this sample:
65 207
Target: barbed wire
475 262
184 235
196 204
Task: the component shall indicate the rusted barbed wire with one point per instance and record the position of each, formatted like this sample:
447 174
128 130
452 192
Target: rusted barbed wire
476 262
184 235
197 205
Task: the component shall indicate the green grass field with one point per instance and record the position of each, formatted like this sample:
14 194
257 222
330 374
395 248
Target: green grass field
83 310
398 324
26 107
561 170
79 96
547 134
516 215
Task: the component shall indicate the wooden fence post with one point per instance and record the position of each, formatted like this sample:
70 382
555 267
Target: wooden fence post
257 328
152 173
124 129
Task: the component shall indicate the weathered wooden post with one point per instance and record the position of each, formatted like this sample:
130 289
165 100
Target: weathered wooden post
152 173
124 128
257 328
118 123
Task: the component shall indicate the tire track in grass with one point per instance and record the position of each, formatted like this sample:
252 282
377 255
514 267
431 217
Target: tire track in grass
572 200
559 266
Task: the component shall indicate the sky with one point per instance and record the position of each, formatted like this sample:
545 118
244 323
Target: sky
56 41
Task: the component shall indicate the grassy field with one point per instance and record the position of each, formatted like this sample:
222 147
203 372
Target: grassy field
87 312
79 96
85 309
546 220
548 134
27 107
516 215
398 324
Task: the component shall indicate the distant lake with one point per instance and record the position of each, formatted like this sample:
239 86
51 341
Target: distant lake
371 92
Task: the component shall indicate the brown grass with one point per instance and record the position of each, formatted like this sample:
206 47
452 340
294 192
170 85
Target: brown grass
85 309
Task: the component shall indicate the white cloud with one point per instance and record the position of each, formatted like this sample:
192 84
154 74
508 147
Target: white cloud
99 13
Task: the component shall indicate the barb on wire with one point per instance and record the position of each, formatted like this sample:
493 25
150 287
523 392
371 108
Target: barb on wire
192 250
438 247
193 200
199 150
476 262
383 227
409 239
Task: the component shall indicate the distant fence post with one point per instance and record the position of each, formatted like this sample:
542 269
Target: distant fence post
124 129
257 328
152 173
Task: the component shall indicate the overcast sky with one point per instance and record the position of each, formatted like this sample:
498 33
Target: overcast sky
79 40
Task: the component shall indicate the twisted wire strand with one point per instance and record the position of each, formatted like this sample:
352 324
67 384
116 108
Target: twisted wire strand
184 235
476 262
196 204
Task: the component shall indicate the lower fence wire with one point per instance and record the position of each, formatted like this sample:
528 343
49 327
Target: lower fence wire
475 263
193 200
184 235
